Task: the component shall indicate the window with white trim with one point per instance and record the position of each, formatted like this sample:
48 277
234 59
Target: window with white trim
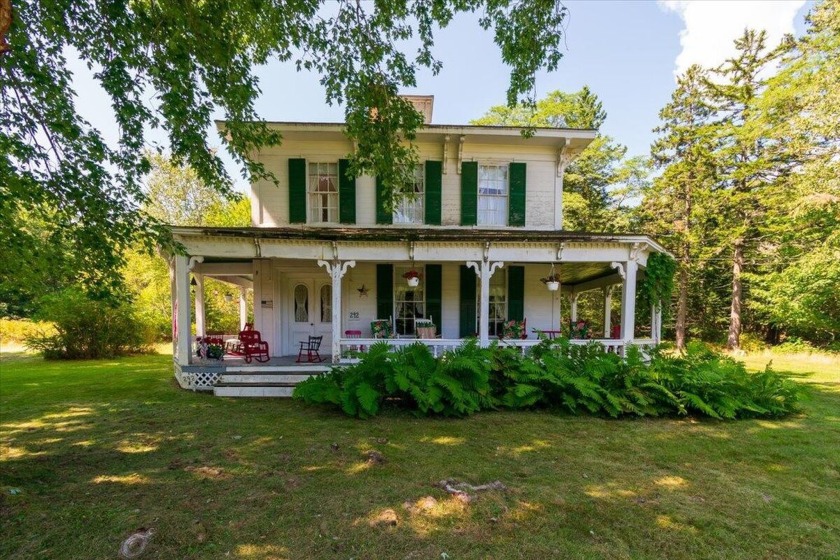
409 208
497 313
409 303
323 193
326 303
493 192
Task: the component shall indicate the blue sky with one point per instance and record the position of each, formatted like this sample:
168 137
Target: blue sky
626 51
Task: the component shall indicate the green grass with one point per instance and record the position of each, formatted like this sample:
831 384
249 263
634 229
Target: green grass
93 450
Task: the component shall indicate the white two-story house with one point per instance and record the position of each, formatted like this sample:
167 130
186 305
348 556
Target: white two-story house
325 257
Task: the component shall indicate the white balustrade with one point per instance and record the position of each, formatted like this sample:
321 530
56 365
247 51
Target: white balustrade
351 346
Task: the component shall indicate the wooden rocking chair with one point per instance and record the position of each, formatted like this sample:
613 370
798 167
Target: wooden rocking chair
311 346
252 346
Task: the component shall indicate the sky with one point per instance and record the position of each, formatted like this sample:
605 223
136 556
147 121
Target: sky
627 52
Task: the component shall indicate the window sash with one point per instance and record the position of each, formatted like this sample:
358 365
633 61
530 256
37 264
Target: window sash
493 191
323 192
408 210
409 303
497 312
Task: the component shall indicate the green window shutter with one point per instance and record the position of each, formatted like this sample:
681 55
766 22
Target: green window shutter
346 193
469 193
383 216
516 209
384 291
468 309
434 300
516 293
434 176
297 191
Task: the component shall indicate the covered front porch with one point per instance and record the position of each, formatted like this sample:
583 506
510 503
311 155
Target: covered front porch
339 283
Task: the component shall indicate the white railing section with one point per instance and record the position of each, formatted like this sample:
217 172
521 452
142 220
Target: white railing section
351 346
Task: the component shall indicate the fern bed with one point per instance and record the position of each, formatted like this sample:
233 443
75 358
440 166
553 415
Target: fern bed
554 374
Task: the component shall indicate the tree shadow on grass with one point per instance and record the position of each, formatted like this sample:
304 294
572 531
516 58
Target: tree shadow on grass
262 479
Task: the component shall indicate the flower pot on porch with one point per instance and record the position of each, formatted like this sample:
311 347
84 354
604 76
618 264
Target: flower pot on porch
553 286
426 332
413 282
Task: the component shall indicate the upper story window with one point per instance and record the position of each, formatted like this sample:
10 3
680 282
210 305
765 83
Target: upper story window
492 195
408 209
323 193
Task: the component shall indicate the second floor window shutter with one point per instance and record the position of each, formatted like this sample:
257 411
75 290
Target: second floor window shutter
383 214
385 291
434 301
516 293
297 191
468 308
346 193
516 209
469 193
434 176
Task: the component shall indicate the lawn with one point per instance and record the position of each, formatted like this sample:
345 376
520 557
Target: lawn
93 450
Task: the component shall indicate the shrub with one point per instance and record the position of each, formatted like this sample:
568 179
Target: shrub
86 327
554 374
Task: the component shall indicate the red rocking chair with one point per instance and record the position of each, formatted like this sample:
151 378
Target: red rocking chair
252 346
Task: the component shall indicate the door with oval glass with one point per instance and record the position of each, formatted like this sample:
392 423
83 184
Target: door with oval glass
308 313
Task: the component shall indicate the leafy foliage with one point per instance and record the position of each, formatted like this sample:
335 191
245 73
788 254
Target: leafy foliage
170 65
658 284
554 374
86 328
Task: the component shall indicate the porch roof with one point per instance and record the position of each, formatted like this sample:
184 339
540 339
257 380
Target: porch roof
423 234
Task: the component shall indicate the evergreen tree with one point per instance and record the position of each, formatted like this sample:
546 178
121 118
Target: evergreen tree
744 157
674 204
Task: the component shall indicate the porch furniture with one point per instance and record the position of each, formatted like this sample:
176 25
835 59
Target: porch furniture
311 346
550 334
252 346
355 334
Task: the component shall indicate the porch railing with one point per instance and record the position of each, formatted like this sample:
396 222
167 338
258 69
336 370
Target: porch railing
349 346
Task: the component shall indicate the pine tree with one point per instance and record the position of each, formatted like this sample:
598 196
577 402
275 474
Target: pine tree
746 164
684 152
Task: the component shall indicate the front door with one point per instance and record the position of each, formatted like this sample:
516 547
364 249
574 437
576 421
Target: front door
308 313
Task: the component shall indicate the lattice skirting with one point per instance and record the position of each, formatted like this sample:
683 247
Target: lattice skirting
196 380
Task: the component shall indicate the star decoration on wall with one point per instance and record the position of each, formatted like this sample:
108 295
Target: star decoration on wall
363 291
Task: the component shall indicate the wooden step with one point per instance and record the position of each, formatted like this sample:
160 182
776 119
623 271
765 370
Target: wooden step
246 390
263 378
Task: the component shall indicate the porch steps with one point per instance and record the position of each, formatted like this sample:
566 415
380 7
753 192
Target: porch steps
280 384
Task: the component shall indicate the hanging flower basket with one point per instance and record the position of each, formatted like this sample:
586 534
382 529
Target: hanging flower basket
413 278
552 282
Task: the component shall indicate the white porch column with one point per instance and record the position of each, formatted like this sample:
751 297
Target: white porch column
484 270
607 310
628 299
200 316
336 269
573 301
243 307
183 345
656 331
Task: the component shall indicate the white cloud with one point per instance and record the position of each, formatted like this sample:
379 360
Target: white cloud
711 26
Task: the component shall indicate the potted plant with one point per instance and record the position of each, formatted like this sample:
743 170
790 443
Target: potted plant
413 278
514 329
425 328
552 282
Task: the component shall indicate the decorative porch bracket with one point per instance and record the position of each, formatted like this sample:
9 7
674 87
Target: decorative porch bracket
336 269
484 270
